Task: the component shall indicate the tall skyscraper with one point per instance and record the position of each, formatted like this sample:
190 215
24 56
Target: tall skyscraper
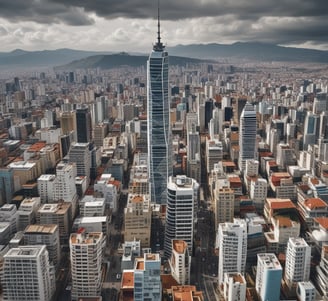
27 274
247 136
182 195
83 125
158 121
232 239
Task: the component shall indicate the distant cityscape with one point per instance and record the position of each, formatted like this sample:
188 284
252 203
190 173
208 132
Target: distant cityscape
200 181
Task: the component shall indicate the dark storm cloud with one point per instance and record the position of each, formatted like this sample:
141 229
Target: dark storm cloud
181 9
43 11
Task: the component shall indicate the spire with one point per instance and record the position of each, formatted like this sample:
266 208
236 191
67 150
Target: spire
159 45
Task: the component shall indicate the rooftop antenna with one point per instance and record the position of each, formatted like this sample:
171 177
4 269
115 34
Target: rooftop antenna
158 46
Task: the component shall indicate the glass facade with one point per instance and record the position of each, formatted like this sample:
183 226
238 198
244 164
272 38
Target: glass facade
158 127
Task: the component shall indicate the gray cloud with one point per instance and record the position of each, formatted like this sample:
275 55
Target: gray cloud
287 22
43 11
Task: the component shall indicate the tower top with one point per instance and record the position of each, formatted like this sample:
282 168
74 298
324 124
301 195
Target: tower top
159 45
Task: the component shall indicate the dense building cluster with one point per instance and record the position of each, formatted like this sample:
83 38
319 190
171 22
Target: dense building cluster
197 182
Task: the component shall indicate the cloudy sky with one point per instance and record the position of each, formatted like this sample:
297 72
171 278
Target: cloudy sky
130 25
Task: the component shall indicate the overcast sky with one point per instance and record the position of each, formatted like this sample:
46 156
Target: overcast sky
130 25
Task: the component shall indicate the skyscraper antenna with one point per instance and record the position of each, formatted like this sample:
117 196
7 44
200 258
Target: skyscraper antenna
158 46
158 24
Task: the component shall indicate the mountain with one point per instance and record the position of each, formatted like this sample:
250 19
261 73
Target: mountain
121 59
250 51
46 58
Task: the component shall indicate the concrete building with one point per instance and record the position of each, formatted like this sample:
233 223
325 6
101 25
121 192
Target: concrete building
27 274
27 211
322 272
214 153
8 213
147 278
79 154
137 219
181 200
59 214
92 206
7 188
305 291
234 287
232 238
224 204
268 277
46 188
86 253
180 262
298 260
247 136
44 235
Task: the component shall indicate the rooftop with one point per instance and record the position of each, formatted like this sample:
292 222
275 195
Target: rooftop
41 229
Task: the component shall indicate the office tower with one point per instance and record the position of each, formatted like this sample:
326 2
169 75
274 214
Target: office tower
27 212
268 277
298 260
46 188
158 122
215 124
59 214
224 204
27 274
232 238
68 122
147 278
83 125
86 253
193 154
137 219
311 129
80 155
214 153
234 287
65 189
247 136
323 130
182 196
6 185
180 262
44 235
100 131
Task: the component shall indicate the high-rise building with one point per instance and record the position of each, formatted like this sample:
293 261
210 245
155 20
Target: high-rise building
86 253
44 235
234 288
232 238
147 278
137 219
268 277
224 203
83 125
80 154
27 274
298 260
182 195
247 136
6 185
158 122
180 262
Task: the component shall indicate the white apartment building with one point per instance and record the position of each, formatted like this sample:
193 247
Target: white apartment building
27 212
258 192
46 188
182 196
232 238
8 213
27 274
65 188
86 252
234 287
180 262
298 260
91 206
214 153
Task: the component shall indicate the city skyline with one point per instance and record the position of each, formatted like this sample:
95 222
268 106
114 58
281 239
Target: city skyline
117 26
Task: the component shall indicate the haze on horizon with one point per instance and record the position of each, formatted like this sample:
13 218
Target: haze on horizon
129 25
